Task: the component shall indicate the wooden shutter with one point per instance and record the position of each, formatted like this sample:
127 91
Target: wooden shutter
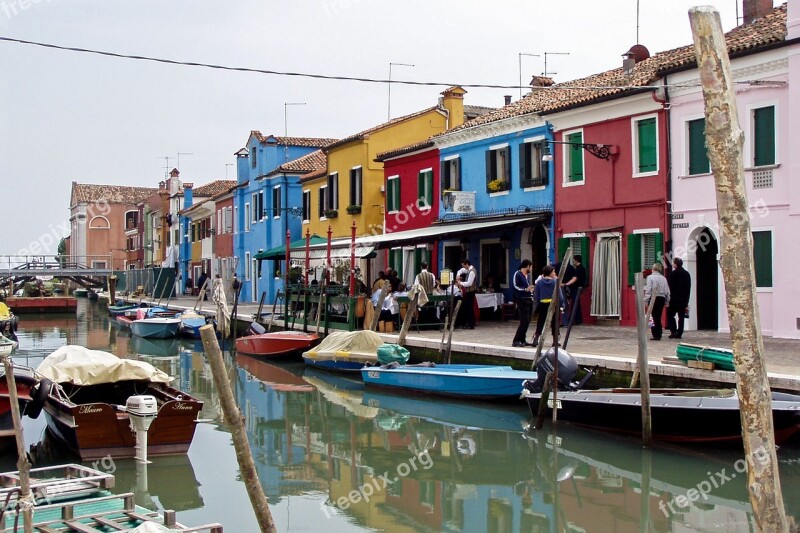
563 244
507 166
634 256
455 178
490 159
444 176
421 185
762 258
524 167
659 246
764 132
698 155
575 157
583 252
646 130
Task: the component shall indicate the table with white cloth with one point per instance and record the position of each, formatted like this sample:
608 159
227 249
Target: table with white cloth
489 299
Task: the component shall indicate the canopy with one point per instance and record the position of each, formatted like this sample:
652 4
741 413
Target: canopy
80 366
279 252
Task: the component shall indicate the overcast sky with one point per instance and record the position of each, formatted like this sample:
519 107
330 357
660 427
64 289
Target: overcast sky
68 116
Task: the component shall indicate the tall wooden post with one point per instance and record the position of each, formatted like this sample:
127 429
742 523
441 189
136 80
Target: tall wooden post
642 364
308 254
286 280
724 140
25 499
353 262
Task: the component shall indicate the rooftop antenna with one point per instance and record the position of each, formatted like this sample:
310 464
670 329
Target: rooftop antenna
389 112
545 73
637 21
166 167
178 166
520 69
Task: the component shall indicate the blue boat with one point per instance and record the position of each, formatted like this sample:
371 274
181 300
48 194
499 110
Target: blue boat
460 381
121 309
156 328
191 323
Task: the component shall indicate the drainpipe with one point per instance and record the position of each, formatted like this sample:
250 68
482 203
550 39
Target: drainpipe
667 205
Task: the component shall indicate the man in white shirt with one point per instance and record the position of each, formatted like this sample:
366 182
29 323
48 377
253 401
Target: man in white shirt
466 280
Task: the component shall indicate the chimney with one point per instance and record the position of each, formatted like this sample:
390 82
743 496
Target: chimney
541 81
507 99
453 101
755 9
636 54
188 195
162 185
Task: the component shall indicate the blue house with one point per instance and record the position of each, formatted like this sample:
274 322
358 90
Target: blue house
497 188
268 187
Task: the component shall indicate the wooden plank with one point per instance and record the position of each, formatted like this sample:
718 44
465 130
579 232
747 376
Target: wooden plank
703 365
109 523
672 361
82 528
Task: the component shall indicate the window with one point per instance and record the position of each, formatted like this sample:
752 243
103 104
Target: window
247 266
276 201
396 259
355 186
644 249
579 245
498 169
451 174
254 157
645 151
258 206
321 203
533 172
306 206
425 189
764 136
393 194
698 154
762 258
227 222
247 217
131 220
493 262
234 221
333 191
573 158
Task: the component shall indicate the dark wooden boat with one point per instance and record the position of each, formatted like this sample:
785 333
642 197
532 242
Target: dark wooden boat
85 404
279 343
29 402
678 415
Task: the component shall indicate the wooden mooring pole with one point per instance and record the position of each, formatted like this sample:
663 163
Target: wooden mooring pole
724 140
25 499
642 362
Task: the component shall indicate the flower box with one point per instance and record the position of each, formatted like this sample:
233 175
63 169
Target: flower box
497 185
353 209
331 213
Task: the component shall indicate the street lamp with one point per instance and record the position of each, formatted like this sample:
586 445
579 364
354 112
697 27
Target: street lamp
600 151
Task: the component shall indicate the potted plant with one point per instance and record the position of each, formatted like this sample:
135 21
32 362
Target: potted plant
497 185
353 209
331 213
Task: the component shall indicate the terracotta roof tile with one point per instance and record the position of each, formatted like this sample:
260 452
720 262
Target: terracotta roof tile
114 194
214 188
310 142
312 162
379 127
388 154
766 31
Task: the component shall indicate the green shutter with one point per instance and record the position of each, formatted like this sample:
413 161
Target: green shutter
429 187
584 252
762 257
659 246
634 256
698 155
646 129
764 131
563 244
421 186
524 157
575 157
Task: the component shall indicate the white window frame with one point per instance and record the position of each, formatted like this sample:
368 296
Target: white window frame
247 267
388 188
428 185
750 139
771 231
323 191
307 205
565 159
687 144
448 161
276 196
246 217
359 185
635 147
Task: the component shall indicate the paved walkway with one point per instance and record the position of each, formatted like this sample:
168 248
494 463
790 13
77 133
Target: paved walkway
610 346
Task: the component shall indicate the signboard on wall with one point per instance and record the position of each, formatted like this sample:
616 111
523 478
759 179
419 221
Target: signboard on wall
463 201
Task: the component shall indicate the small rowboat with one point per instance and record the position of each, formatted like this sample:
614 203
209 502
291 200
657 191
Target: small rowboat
278 343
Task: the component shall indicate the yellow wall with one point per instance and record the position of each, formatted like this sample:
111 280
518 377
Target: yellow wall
362 152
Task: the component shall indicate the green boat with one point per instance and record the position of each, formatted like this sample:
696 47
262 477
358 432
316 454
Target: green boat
721 357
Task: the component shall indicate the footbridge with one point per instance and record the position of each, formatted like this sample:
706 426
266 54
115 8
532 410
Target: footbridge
89 271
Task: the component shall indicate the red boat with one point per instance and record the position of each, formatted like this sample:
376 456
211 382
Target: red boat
25 380
275 377
277 343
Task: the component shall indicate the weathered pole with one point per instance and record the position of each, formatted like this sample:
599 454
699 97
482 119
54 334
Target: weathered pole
410 312
642 363
724 140
286 281
233 416
25 499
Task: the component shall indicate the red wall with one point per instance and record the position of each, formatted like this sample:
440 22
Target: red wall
611 199
408 168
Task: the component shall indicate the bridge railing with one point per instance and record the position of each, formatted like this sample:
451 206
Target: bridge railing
10 263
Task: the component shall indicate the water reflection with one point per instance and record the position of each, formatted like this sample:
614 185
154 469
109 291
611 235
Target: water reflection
320 440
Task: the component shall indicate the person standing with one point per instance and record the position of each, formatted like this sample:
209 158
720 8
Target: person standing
201 284
656 290
576 281
524 299
425 279
680 287
543 292
467 283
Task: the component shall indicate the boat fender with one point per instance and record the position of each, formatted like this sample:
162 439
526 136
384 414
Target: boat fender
39 394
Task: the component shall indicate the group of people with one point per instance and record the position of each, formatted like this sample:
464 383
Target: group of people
672 294
536 297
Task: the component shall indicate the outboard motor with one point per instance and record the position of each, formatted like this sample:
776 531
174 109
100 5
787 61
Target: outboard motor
256 329
567 367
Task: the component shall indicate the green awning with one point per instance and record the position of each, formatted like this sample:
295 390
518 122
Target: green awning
279 252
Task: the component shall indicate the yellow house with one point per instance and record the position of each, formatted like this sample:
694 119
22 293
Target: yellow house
352 188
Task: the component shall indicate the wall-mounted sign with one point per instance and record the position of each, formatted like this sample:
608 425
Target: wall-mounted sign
677 216
463 201
680 225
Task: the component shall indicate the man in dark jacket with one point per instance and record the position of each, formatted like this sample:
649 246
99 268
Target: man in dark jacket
524 300
543 292
680 287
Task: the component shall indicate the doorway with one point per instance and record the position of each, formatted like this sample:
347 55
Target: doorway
707 281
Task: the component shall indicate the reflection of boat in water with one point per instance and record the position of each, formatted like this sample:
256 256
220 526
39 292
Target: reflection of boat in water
157 347
451 412
171 480
283 378
341 391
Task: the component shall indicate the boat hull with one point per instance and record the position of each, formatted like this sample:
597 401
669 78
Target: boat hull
156 328
117 310
276 344
42 304
335 366
679 419
456 381
96 430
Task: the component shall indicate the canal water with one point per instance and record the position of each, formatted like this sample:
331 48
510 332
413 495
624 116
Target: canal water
333 456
